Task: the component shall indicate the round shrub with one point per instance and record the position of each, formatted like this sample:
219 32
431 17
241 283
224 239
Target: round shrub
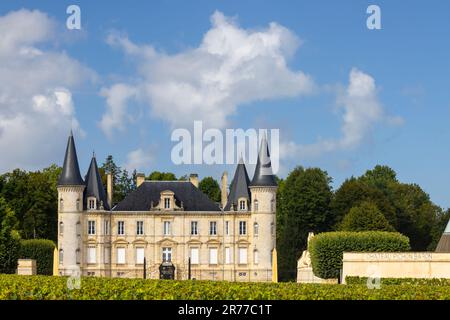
327 248
42 251
365 217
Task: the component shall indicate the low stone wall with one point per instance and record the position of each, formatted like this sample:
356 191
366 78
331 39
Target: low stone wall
396 265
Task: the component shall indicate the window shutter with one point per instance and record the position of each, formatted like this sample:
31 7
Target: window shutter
243 255
92 257
213 255
139 255
194 255
121 255
227 255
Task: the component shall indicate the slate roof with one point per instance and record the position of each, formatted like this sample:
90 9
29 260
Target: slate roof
444 243
239 186
141 198
263 176
70 175
94 185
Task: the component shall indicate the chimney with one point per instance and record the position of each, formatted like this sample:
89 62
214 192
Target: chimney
109 189
193 178
140 178
223 188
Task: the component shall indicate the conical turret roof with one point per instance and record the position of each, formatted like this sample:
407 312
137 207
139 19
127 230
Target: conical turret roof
239 186
94 185
70 174
263 176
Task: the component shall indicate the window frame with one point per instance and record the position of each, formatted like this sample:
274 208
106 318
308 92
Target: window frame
121 228
91 228
213 228
242 228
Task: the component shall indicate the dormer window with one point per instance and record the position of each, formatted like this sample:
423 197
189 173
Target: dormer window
92 203
167 200
242 205
166 203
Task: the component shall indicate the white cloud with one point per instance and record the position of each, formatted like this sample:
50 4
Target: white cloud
36 106
361 110
231 67
138 159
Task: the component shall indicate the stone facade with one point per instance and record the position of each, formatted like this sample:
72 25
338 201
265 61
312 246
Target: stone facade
180 223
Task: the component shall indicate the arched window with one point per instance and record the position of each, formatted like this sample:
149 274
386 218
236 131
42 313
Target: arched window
77 255
255 205
61 228
61 256
272 205
272 228
61 204
255 256
78 204
255 229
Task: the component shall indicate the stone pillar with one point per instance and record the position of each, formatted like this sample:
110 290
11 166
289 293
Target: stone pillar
26 267
224 191
109 189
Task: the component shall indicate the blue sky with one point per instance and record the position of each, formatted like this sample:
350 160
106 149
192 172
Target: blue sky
372 96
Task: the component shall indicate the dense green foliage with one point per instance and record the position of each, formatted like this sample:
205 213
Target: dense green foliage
406 207
161 176
327 248
45 287
42 251
210 187
33 198
9 239
304 206
365 217
400 281
123 183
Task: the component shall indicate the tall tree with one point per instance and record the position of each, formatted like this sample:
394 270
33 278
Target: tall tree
210 187
9 239
305 203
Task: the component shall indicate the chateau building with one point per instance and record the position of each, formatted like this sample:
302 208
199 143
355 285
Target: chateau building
167 223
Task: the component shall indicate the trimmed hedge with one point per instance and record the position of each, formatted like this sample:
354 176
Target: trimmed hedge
42 251
327 248
55 288
400 281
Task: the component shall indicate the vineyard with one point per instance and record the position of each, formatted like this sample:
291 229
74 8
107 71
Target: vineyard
56 288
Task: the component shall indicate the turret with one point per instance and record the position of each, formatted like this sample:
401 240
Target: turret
70 207
95 195
263 188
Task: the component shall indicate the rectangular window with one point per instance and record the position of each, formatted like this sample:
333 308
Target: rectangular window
242 255
106 227
107 257
194 228
242 228
139 255
167 254
91 227
242 205
121 255
140 228
194 255
227 255
121 228
166 203
227 227
212 228
212 255
92 255
91 204
166 228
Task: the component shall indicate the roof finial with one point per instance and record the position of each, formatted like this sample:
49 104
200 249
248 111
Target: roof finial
93 153
71 133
